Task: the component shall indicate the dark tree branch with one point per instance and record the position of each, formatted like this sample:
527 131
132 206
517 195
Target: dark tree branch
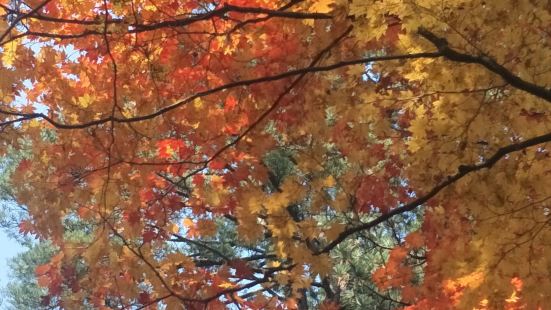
264 79
262 19
138 28
486 61
153 302
21 17
463 170
221 13
447 52
178 238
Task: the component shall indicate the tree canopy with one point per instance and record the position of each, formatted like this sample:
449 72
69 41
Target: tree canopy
266 154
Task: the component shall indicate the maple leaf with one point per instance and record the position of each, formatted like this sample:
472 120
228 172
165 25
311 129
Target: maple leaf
26 227
217 164
169 148
42 269
517 283
206 227
230 103
132 217
329 305
43 280
395 125
372 194
148 236
334 231
415 240
9 53
242 269
144 298
24 165
322 265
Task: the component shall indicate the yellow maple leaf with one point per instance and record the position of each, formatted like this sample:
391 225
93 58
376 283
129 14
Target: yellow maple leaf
226 285
329 181
323 6
174 228
198 103
213 198
513 298
9 53
83 101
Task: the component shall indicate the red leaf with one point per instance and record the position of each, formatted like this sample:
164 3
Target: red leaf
132 217
371 194
26 227
198 179
43 281
148 236
230 103
144 298
217 164
329 305
415 240
52 8
84 212
169 148
24 165
242 269
42 269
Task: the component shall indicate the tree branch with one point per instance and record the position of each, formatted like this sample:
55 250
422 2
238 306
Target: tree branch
138 28
264 79
486 61
462 171
21 17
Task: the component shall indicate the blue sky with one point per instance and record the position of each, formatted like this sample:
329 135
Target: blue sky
8 248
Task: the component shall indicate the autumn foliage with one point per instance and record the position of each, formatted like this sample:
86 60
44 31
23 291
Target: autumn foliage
153 122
